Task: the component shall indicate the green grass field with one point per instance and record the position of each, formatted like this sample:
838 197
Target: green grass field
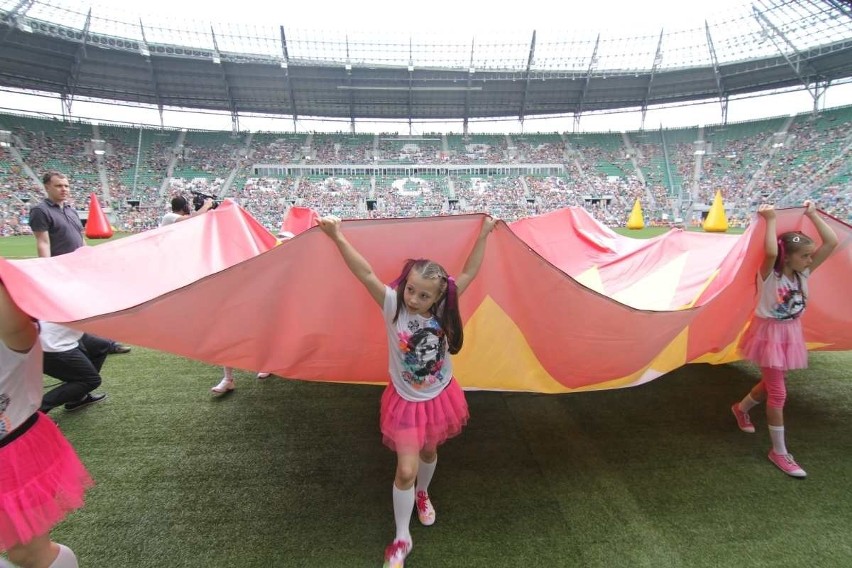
25 247
284 473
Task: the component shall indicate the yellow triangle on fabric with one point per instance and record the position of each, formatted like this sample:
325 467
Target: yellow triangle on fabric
672 356
591 279
727 354
704 286
496 355
655 290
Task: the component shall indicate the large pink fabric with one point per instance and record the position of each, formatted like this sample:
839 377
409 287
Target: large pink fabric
561 303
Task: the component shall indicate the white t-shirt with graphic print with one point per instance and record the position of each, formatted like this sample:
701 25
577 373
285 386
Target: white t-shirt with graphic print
419 359
782 298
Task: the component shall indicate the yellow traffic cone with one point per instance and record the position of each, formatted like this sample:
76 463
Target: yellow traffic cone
716 221
636 221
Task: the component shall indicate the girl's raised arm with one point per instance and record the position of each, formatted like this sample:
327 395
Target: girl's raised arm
474 259
770 240
357 264
829 238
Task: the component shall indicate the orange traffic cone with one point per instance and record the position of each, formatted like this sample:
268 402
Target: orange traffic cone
97 226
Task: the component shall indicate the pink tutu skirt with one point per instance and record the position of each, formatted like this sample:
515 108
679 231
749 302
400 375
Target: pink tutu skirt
777 344
41 480
411 426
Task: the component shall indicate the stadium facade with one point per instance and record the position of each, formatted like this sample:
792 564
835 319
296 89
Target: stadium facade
77 53
74 51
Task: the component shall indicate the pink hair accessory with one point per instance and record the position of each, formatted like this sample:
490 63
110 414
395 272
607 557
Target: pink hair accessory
452 292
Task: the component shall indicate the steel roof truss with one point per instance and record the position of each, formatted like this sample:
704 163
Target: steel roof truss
286 65
530 61
798 59
74 73
658 58
592 64
155 84
717 73
232 106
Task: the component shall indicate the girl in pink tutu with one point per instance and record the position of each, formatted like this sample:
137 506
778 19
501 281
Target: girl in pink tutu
423 404
41 478
775 340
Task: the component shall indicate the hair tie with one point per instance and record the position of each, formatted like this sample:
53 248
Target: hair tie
405 270
779 260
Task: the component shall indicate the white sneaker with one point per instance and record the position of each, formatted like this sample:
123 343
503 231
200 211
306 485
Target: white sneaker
263 375
225 385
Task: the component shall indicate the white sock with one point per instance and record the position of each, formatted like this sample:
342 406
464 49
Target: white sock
65 558
747 403
777 435
403 505
425 471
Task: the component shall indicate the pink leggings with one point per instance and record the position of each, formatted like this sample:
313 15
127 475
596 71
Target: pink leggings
776 389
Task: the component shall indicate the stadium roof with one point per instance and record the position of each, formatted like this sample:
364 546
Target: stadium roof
78 52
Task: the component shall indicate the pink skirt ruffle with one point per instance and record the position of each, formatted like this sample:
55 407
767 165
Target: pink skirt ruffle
777 344
41 480
411 426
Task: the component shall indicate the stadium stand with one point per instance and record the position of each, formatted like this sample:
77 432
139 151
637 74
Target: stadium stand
782 159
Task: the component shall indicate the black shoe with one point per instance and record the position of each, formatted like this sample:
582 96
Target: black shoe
118 348
89 399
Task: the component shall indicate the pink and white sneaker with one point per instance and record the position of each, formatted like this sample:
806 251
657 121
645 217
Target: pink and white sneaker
425 510
787 464
743 420
396 553
263 375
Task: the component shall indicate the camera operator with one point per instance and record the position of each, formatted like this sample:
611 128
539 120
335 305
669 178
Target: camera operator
200 198
180 210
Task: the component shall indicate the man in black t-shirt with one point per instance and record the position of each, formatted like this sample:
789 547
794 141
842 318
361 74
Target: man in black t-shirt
57 226
55 223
